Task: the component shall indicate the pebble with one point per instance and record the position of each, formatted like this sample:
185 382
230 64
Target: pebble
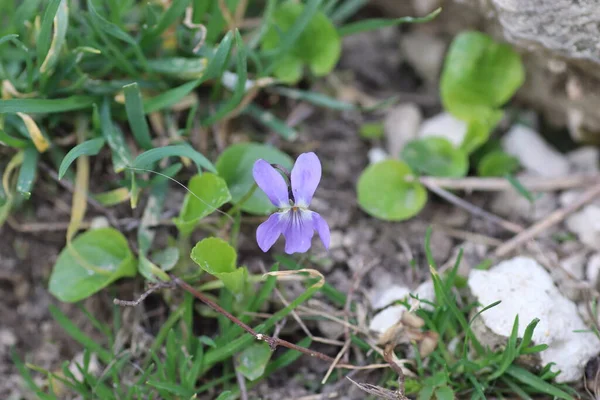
534 154
584 160
377 154
426 63
401 125
385 319
446 126
592 270
586 225
510 203
527 290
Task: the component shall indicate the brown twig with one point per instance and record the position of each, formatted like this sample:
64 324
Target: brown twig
473 209
500 184
551 220
388 355
273 342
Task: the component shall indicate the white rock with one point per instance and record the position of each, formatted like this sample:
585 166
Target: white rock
383 298
586 225
425 291
99 222
510 203
446 126
592 270
534 153
385 319
428 62
527 290
401 125
336 239
584 160
574 265
93 368
377 154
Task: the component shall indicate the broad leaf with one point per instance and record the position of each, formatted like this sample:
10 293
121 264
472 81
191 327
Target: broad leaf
497 163
435 156
253 360
93 260
387 190
218 258
235 166
208 193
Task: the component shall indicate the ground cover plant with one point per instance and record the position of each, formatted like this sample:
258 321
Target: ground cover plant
122 103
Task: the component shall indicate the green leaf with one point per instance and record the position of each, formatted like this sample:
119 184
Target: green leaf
510 351
385 191
11 141
208 193
227 395
479 75
61 23
33 106
28 171
45 33
435 156
179 67
166 258
135 115
150 271
235 166
315 98
218 258
240 85
253 360
526 377
121 155
377 23
93 260
308 37
444 393
148 158
270 121
170 97
88 148
497 163
478 130
371 130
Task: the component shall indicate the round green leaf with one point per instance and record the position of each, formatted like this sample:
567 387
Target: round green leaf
208 193
497 163
435 156
235 166
95 259
253 360
384 191
479 74
218 258
319 45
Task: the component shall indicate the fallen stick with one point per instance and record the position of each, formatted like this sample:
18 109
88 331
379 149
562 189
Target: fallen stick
500 184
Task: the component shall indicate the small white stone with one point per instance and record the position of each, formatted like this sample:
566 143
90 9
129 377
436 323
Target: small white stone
401 125
446 126
7 338
534 153
93 367
383 298
584 160
385 319
586 225
336 239
592 270
427 63
377 154
426 292
526 289
99 222
575 265
510 203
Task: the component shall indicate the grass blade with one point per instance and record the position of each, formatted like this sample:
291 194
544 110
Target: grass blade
77 334
121 154
135 115
28 171
87 148
346 10
271 121
315 98
46 106
45 34
526 377
148 158
61 24
377 23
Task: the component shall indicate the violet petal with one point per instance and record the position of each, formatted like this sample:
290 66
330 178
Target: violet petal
322 229
269 231
271 182
298 232
305 178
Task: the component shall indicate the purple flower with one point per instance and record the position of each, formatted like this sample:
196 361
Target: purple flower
294 220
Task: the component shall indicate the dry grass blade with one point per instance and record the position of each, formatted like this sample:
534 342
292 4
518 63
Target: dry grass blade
377 391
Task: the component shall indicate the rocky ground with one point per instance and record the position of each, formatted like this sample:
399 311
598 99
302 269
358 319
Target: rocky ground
374 66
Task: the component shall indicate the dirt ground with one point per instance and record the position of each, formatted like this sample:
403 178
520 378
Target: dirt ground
372 64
